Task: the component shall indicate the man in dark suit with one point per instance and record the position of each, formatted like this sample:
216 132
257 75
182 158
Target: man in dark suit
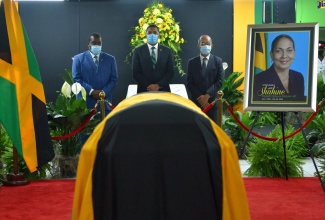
204 76
152 64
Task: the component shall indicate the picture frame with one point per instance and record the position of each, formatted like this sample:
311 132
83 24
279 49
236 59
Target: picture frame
288 74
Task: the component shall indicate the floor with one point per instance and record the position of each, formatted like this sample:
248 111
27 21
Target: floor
308 167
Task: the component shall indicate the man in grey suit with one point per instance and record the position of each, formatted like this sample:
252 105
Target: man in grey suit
152 64
204 76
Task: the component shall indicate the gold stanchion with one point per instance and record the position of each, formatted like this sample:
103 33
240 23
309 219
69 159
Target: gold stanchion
102 104
220 107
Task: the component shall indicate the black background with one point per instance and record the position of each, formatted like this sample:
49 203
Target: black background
59 30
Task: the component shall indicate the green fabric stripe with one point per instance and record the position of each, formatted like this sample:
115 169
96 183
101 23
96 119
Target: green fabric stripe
9 112
257 70
259 11
32 62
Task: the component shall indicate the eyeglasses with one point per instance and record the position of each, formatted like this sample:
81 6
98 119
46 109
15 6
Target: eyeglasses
205 43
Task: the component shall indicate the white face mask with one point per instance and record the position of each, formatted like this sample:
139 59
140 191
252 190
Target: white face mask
96 49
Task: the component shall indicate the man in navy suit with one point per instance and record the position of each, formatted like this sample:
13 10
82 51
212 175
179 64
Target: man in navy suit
152 64
204 82
96 71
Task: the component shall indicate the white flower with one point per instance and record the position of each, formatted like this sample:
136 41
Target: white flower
225 65
66 90
76 88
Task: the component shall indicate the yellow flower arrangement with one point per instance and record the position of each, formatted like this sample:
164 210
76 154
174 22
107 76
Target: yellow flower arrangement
169 30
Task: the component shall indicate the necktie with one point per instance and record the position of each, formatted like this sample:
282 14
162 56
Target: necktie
153 57
96 60
204 66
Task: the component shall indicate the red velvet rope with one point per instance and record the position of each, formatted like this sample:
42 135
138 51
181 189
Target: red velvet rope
83 124
273 139
110 104
209 107
77 129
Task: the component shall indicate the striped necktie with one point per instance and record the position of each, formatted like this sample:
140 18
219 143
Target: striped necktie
96 60
153 57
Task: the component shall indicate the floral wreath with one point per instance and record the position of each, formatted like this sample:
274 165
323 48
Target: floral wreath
169 30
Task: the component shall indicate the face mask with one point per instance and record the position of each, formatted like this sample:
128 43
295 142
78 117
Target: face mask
320 52
205 49
152 38
95 49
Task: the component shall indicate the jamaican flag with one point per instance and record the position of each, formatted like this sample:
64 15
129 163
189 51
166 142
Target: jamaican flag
22 103
260 53
158 156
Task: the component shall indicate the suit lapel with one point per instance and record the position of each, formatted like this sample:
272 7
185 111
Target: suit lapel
91 61
209 64
146 54
160 53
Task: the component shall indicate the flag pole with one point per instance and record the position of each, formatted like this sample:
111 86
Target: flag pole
15 178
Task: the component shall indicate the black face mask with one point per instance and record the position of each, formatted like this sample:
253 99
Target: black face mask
320 52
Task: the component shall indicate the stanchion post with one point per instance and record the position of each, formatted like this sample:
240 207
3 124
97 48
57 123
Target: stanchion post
220 107
15 178
102 104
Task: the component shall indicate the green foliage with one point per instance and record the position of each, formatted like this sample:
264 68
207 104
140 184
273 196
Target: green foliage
234 130
267 158
318 151
22 168
320 92
169 31
266 118
4 139
68 76
6 153
237 133
230 90
65 115
318 126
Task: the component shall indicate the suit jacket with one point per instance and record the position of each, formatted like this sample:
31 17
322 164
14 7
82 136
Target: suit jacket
104 77
144 73
269 79
210 83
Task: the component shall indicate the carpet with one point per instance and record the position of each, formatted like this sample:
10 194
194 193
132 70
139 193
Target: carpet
268 198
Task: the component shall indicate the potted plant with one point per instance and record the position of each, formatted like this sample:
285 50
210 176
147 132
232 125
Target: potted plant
266 158
65 115
7 161
230 90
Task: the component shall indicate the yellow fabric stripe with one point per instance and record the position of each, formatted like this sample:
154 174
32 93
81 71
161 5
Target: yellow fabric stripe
22 82
244 14
38 89
82 205
234 195
6 71
234 205
260 61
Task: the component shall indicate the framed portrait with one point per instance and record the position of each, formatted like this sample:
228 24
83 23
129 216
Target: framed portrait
281 67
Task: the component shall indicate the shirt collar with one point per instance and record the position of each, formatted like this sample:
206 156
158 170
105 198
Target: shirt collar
201 57
92 55
155 46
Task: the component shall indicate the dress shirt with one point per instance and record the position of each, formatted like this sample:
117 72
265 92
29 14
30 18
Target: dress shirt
156 49
202 57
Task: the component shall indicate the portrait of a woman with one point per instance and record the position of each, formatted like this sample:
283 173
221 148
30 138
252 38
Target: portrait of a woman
279 82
